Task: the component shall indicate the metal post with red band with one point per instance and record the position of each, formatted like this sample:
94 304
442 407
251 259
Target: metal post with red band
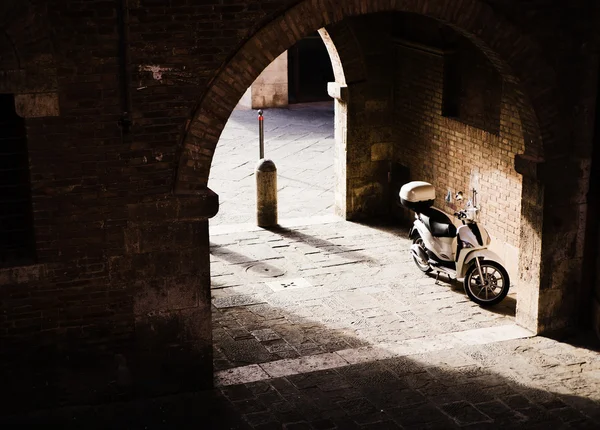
266 183
261 135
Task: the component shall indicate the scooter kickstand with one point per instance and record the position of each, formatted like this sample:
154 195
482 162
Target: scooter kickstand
437 277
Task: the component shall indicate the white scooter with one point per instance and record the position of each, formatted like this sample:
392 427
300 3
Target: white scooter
439 246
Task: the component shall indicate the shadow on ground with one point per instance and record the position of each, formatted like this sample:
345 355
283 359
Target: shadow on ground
506 385
507 307
351 253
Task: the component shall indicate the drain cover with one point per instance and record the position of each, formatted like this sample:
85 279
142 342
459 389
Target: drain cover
288 284
265 270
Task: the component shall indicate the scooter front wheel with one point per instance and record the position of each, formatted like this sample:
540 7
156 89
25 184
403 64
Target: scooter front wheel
490 289
421 264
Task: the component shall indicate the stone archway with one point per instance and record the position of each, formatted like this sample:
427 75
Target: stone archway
473 19
515 56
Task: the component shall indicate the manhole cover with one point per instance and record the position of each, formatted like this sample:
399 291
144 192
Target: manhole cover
288 284
265 270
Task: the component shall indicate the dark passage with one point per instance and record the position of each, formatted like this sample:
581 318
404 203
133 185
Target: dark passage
309 70
16 222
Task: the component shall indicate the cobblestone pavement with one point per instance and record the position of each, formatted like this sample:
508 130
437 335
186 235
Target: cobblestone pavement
300 142
325 324
531 383
333 286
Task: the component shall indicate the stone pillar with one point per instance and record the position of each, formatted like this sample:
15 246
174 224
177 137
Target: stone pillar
563 297
339 92
167 260
362 151
530 247
266 193
551 296
369 150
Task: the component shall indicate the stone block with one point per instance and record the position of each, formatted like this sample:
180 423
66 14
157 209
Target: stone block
382 152
337 91
37 105
23 274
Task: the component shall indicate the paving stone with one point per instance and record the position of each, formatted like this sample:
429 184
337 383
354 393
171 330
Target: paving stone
323 424
239 334
348 423
381 425
312 379
403 366
417 415
269 397
259 387
357 406
277 345
440 394
399 398
517 402
273 425
303 364
465 413
325 401
237 392
240 300
240 375
246 351
370 417
258 418
369 375
297 426
265 335
568 415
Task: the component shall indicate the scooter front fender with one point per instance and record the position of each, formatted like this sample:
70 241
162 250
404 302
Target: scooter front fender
412 233
472 255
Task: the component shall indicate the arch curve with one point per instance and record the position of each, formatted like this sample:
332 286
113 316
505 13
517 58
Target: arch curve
345 53
498 39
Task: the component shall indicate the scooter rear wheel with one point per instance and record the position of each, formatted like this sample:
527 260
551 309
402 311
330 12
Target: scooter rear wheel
494 287
422 265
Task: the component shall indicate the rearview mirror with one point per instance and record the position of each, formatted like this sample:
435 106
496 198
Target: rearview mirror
459 196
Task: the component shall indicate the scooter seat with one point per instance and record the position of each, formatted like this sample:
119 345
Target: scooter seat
438 223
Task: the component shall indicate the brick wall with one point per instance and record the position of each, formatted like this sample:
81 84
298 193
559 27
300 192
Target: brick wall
450 153
122 265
